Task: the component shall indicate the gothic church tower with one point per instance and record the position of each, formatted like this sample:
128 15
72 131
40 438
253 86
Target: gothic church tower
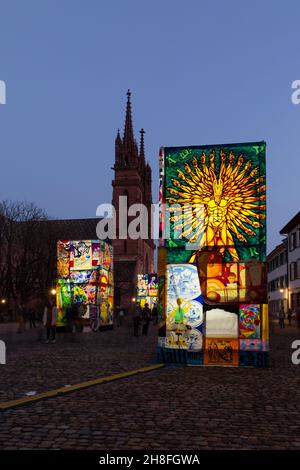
132 179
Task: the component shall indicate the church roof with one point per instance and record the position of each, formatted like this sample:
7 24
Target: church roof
69 229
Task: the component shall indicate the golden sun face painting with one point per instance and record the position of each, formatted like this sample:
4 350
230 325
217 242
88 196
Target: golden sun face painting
219 197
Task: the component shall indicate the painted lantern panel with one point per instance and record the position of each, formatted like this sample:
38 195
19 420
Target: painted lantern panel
85 270
212 253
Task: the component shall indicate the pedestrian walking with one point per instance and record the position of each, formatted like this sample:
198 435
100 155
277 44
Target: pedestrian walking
155 314
298 318
71 316
32 318
281 318
137 319
289 316
146 319
49 321
121 316
21 318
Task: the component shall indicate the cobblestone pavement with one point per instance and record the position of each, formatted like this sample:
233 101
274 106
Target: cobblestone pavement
33 365
172 408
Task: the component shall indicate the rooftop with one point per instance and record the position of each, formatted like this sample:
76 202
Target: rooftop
291 224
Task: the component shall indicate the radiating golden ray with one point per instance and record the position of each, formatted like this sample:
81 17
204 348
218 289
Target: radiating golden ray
215 205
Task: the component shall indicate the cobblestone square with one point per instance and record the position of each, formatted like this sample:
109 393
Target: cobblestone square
175 407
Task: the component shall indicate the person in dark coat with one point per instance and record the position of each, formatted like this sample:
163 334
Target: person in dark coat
155 314
146 319
32 318
289 316
136 320
281 318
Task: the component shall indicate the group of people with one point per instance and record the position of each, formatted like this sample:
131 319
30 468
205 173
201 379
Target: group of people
142 317
49 319
282 316
25 315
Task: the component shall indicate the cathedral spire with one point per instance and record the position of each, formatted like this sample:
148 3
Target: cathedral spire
128 138
118 149
142 146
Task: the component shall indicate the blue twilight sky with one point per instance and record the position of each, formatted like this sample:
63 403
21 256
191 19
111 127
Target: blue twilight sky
200 72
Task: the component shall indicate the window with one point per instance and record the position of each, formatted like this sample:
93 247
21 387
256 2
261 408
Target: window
294 235
293 271
291 243
281 259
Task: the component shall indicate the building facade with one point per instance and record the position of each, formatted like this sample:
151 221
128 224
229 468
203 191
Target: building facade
292 232
277 279
132 180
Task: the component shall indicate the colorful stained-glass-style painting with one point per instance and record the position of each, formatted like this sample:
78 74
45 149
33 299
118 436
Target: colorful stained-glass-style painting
251 345
63 293
106 312
220 351
184 315
212 255
142 286
221 322
195 340
232 282
249 321
190 340
81 255
221 282
216 198
185 312
103 283
147 285
152 285
63 299
147 289
107 256
81 277
96 253
63 259
177 339
265 323
183 281
84 293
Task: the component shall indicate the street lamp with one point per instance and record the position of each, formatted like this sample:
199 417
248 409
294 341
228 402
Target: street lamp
133 299
53 291
3 301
